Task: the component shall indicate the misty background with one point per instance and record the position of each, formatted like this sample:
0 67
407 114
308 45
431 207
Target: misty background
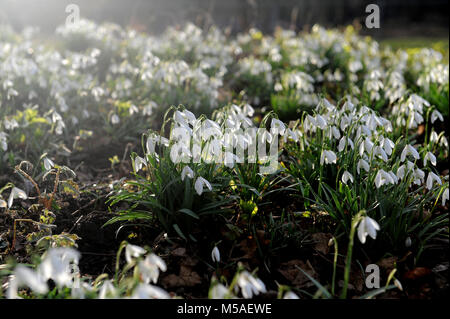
399 18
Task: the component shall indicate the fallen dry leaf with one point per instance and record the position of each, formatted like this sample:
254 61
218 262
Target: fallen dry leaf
321 242
388 263
417 273
295 276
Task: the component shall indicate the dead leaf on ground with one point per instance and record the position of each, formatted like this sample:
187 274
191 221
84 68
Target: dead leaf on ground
321 242
388 264
179 252
248 246
186 278
417 273
295 276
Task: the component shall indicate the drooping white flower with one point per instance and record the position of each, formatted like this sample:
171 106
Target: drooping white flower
378 151
409 150
180 153
200 183
133 109
187 171
133 251
429 156
56 265
362 164
290 295
335 132
445 197
432 177
388 146
248 110
115 119
107 290
250 285
215 254
367 226
346 177
320 122
48 164
292 135
436 115
138 163
398 284
434 137
149 268
218 291
277 127
24 276
383 178
265 137
328 157
408 242
419 176
343 142
145 291
16 193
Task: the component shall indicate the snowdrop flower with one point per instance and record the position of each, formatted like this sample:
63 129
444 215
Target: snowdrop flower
149 268
133 251
23 276
320 122
150 144
434 137
336 133
290 295
200 183
115 119
133 109
378 151
250 285
383 178
403 169
394 177
436 115
343 142
388 145
248 109
367 226
107 290
145 291
292 135
10 125
218 291
148 109
179 153
429 156
187 171
56 265
16 193
419 176
3 141
445 197
215 254
346 177
138 163
328 157
409 150
277 127
266 137
432 177
398 284
408 242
